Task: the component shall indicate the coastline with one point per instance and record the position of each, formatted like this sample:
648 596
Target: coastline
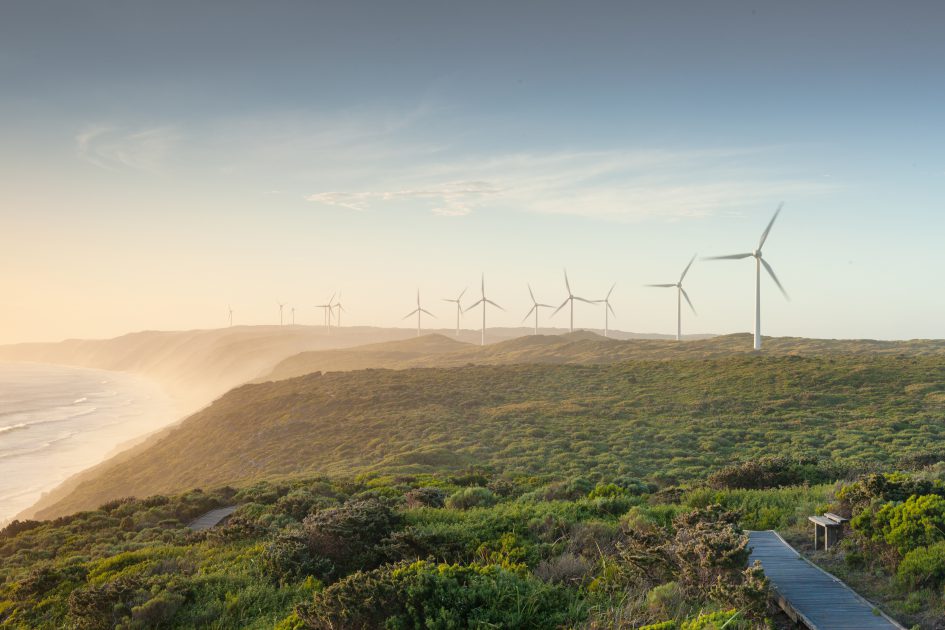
50 441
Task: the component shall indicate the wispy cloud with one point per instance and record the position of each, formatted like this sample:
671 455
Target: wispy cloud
626 186
115 148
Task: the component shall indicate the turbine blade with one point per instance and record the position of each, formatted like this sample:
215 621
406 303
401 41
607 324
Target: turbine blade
530 292
423 310
731 257
775 278
495 305
659 285
560 307
566 283
686 270
588 301
472 306
410 314
764 235
688 301
530 311
461 294
611 291
612 311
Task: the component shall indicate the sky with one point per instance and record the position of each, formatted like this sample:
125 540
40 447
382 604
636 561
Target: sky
161 161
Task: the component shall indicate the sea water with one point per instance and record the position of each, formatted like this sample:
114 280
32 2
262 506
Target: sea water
56 421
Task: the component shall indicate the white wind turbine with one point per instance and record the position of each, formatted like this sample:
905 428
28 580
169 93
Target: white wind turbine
680 294
293 316
418 312
459 308
536 306
230 309
607 309
281 306
327 309
759 262
485 302
340 308
570 299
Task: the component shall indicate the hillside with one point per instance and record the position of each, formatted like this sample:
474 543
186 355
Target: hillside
664 420
581 347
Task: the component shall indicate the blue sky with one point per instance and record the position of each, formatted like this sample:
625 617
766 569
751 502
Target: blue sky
163 160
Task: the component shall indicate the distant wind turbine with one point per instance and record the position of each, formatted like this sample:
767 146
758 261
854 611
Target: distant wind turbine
230 309
536 306
281 305
293 316
340 308
570 299
459 308
680 294
759 262
418 312
485 302
607 310
328 308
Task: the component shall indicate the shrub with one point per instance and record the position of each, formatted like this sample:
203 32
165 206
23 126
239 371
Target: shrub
666 601
426 497
477 496
923 567
288 557
351 536
427 595
568 568
917 522
773 472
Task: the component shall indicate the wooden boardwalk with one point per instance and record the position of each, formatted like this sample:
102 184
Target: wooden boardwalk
211 518
810 595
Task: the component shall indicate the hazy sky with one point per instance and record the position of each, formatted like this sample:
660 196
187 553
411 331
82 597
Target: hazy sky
162 160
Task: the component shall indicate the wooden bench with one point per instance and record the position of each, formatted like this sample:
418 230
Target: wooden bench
832 525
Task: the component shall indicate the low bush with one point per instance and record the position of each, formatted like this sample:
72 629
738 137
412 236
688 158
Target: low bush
923 567
466 498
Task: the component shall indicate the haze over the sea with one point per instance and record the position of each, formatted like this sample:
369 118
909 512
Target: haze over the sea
56 421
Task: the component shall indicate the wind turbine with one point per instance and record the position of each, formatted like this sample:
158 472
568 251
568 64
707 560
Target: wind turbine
230 309
328 308
418 312
571 297
485 302
536 306
607 309
281 305
759 262
680 294
459 308
293 316
340 308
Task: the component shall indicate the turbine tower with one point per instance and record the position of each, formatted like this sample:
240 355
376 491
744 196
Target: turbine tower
281 305
328 308
230 309
680 294
340 308
607 309
485 302
536 306
293 316
570 299
418 312
759 263
459 308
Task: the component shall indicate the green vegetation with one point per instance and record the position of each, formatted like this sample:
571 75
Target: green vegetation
663 422
391 551
896 550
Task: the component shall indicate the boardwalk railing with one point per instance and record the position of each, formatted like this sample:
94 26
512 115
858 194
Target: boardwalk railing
810 595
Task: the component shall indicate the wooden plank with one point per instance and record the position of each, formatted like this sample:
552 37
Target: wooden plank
810 595
211 518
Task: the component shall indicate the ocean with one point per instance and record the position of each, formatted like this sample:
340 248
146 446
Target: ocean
56 421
